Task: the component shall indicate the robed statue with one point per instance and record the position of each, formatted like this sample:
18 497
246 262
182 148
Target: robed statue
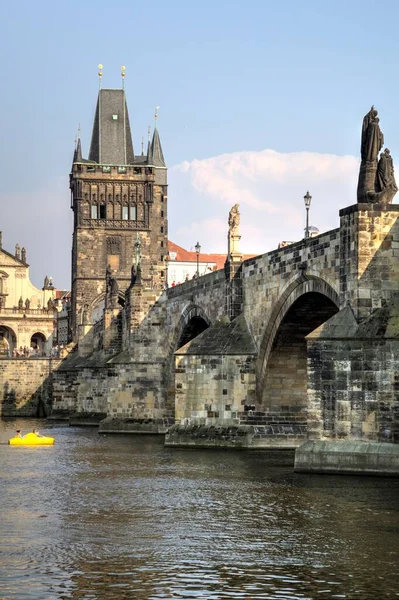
374 140
234 219
385 172
376 177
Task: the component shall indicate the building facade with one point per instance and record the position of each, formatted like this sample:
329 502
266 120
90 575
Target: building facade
119 201
27 314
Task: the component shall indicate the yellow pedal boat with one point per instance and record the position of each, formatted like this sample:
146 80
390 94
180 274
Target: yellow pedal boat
31 439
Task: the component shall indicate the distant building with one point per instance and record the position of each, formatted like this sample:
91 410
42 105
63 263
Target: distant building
27 314
62 303
313 232
284 244
182 264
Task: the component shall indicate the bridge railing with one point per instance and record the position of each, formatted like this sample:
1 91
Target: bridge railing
203 281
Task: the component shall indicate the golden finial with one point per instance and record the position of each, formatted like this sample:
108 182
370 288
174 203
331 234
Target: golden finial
100 74
156 114
123 69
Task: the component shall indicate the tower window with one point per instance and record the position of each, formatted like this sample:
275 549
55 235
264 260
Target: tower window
102 211
161 244
161 229
133 213
161 213
94 211
106 169
121 169
114 117
125 213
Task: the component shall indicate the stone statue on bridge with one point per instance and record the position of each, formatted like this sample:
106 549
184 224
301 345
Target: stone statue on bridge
376 178
234 256
234 220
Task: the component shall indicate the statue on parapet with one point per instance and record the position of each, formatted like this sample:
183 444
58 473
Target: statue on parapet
234 220
376 177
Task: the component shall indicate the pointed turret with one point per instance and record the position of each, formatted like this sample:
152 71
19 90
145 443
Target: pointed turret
157 158
149 154
111 142
78 152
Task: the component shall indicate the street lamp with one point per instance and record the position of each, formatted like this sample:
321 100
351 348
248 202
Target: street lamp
198 250
308 200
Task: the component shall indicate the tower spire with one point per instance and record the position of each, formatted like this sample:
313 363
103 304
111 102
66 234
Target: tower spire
157 158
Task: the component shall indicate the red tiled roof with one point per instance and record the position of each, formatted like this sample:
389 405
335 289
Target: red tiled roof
183 255
62 293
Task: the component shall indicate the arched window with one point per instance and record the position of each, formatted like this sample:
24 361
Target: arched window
37 342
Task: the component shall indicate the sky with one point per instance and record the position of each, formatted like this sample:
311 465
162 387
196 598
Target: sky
259 101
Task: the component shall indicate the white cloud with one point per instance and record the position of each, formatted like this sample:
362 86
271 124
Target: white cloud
268 185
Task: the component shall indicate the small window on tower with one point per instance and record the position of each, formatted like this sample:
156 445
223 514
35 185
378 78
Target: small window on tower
161 213
94 212
161 229
133 213
125 213
106 169
102 211
114 117
121 169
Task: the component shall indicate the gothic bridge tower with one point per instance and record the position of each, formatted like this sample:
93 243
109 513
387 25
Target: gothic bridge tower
119 201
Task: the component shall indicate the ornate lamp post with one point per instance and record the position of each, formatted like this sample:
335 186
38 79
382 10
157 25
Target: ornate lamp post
198 250
308 200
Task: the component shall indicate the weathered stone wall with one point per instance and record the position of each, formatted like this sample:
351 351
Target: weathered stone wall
210 388
353 389
369 255
26 386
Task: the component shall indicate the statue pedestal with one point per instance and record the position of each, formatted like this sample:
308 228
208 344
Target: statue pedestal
367 177
233 248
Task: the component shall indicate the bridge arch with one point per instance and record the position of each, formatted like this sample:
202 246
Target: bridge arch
193 321
312 298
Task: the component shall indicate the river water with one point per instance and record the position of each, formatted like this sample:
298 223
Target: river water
120 517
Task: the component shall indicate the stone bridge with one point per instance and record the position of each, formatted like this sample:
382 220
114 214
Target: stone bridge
296 341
